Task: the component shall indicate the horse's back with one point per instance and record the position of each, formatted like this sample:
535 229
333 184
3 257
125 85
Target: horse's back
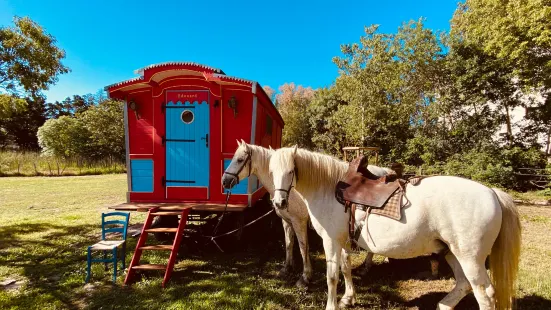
457 207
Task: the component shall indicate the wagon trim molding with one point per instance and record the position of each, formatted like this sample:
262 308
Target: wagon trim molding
177 63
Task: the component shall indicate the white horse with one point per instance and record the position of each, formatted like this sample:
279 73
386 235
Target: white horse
254 160
442 212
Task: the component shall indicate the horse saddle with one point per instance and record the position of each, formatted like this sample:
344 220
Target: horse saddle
362 187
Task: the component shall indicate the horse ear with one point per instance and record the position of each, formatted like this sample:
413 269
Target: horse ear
238 143
270 147
295 149
243 141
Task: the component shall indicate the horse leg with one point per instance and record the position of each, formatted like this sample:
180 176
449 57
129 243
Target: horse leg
434 267
289 245
349 298
302 236
333 258
367 264
461 288
482 287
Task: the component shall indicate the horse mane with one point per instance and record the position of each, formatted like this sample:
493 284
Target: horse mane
316 170
260 151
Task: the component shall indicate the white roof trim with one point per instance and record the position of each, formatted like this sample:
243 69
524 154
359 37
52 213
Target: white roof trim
176 63
139 78
227 77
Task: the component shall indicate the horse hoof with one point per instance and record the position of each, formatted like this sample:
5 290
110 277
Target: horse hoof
302 284
346 302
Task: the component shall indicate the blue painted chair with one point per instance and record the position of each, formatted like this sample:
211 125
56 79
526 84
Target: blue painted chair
110 226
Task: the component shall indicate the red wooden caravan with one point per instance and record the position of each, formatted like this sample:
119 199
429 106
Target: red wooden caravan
182 121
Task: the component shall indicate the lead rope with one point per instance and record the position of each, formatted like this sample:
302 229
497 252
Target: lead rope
228 194
214 236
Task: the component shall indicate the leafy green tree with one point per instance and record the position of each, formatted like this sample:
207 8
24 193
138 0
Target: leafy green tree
388 81
479 87
327 133
105 125
517 32
30 62
513 38
292 102
64 137
20 128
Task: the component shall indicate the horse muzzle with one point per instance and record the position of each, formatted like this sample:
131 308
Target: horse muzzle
229 181
280 204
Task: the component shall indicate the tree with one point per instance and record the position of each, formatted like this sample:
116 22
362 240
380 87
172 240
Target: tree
517 32
292 103
270 92
388 82
20 128
64 137
30 62
95 134
478 86
327 133
105 125
514 37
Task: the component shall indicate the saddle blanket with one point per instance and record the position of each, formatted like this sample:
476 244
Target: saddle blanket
393 206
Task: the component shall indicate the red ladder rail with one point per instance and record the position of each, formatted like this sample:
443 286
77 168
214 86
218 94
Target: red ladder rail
141 245
176 246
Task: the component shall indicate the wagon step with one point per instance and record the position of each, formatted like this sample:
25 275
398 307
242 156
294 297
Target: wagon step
163 230
150 267
157 247
167 213
141 246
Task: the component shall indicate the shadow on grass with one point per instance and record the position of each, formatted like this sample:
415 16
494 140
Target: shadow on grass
44 261
244 277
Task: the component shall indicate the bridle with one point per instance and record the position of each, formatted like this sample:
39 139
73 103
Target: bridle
236 175
288 191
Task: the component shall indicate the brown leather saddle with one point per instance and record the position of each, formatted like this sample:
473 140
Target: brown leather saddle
362 189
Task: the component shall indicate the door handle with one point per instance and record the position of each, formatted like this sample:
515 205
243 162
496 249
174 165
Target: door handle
206 138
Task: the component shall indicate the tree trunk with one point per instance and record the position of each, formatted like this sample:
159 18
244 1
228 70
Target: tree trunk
548 144
509 128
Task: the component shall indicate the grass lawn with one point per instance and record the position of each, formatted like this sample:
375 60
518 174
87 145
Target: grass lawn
47 223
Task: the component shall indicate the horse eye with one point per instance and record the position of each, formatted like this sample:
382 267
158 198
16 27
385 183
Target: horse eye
240 160
290 172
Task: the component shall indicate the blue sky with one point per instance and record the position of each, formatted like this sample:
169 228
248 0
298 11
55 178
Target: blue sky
270 42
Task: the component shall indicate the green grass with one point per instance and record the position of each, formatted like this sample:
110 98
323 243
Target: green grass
47 223
541 196
35 164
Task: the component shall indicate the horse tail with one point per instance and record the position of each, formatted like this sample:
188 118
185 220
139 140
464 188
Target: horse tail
505 255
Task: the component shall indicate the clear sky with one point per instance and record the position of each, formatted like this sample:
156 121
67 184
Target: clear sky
267 41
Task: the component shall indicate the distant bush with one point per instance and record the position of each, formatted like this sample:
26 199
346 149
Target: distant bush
95 134
495 167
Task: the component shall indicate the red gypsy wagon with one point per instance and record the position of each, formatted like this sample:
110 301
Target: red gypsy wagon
182 121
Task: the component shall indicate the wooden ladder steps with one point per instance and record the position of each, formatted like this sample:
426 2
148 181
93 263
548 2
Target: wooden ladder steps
167 213
141 245
150 267
157 247
163 230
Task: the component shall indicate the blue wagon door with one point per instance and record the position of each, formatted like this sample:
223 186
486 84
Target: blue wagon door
187 145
